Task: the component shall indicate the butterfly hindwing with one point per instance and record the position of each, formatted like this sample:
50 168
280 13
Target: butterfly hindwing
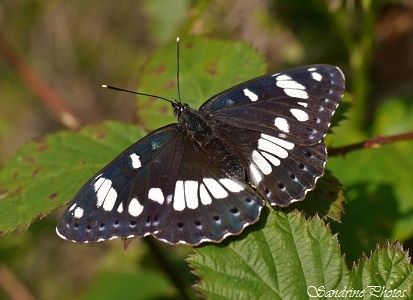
207 204
276 123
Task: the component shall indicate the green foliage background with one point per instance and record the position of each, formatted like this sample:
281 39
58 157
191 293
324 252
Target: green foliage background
76 46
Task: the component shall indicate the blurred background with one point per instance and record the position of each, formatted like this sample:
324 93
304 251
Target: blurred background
54 56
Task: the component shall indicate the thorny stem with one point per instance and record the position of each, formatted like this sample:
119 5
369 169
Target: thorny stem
371 143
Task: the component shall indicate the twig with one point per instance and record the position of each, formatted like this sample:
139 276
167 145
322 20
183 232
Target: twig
12 287
50 97
372 143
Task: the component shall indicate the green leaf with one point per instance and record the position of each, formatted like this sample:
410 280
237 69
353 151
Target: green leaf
208 67
378 185
394 116
326 200
280 257
341 113
388 274
285 256
44 174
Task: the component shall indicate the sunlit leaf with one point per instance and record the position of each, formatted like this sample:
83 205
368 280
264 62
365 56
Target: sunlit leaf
44 174
280 258
207 67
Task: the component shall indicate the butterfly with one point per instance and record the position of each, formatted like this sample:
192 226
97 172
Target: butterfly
208 175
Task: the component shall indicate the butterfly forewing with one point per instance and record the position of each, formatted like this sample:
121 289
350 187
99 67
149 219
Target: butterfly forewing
205 177
98 210
296 105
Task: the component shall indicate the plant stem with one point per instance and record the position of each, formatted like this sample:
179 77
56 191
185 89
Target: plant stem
50 97
360 60
371 143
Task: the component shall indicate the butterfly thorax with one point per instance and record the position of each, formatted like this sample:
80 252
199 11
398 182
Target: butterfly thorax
198 129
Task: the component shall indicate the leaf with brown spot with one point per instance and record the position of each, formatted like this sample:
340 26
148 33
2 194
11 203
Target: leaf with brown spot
170 85
159 70
207 67
3 193
42 147
36 172
30 159
31 188
53 196
212 69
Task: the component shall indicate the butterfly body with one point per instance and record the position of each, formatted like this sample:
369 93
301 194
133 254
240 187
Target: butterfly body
198 129
207 176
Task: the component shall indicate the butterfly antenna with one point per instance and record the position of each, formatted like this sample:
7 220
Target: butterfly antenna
136 93
177 69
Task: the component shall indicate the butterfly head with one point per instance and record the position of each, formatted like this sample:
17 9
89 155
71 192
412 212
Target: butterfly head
179 108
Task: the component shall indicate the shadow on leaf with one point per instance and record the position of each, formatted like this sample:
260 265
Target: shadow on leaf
369 220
